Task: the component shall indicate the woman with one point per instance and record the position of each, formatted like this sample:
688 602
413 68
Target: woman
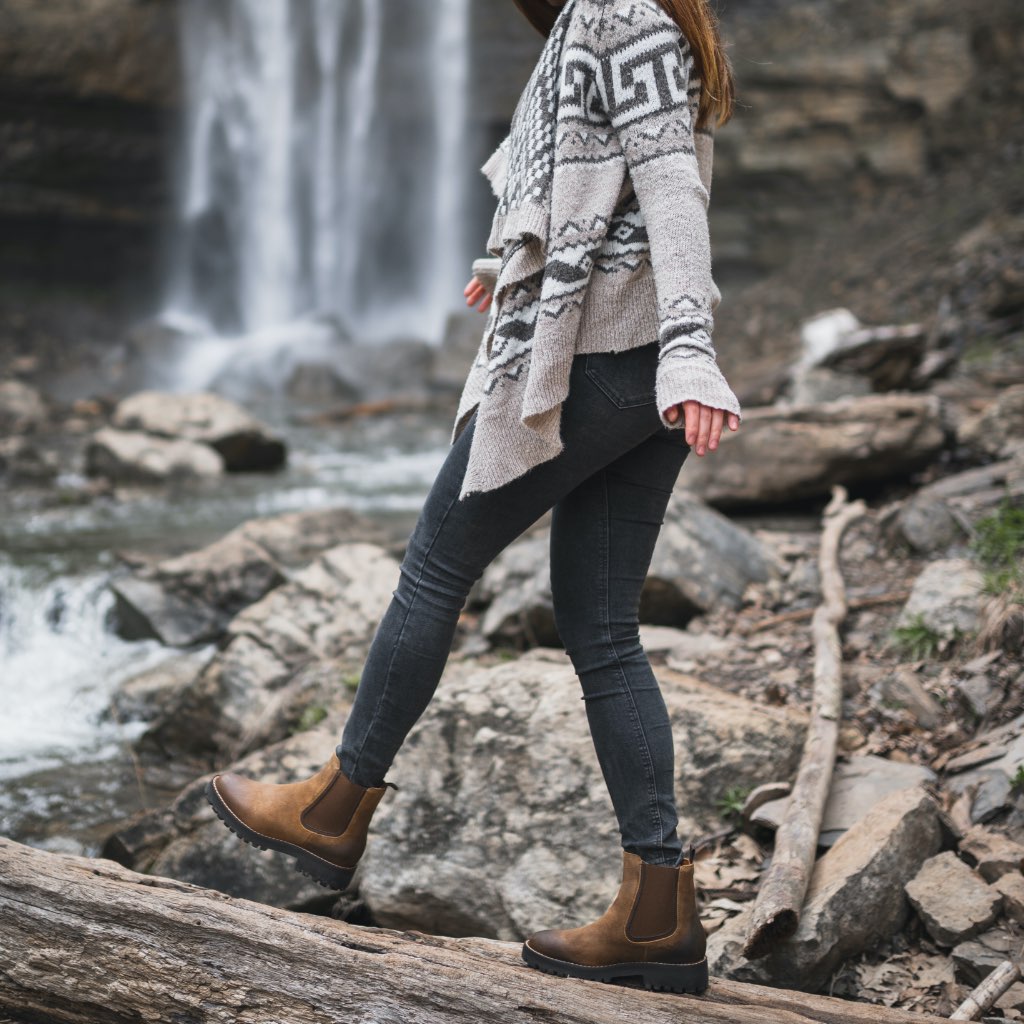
595 377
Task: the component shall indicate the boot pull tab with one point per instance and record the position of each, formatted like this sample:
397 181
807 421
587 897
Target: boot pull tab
687 853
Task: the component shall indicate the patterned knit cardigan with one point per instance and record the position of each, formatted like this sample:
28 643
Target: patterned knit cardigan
612 102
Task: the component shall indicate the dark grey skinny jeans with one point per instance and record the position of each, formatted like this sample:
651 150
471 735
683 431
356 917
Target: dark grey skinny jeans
608 490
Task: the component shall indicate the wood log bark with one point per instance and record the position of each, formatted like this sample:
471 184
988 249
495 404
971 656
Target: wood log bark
776 912
90 941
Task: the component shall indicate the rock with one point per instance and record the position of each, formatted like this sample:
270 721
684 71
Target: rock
993 792
998 431
518 586
991 853
951 899
857 786
187 842
932 67
21 462
927 524
320 382
1011 888
152 693
974 959
978 694
947 597
242 441
701 561
849 441
849 906
990 769
835 341
132 456
817 384
277 655
684 650
502 823
904 688
22 408
192 598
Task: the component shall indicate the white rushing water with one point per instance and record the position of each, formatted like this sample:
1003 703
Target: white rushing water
59 665
323 165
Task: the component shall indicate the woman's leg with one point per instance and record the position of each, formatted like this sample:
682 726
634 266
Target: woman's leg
453 542
602 539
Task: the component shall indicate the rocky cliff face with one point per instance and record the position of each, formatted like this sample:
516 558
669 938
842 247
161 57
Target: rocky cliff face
85 91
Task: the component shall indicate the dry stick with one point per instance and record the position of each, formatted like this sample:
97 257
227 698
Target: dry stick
854 604
776 911
87 940
982 998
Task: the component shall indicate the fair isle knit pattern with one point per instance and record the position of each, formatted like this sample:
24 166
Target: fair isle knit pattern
600 232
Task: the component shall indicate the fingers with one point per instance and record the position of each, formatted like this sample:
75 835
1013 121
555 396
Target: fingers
704 430
717 416
691 411
703 424
476 293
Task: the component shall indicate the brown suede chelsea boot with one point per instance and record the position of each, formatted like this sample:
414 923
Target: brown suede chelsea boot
651 930
321 821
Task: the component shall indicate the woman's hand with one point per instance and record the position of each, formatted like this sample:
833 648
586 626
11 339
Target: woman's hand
703 424
476 292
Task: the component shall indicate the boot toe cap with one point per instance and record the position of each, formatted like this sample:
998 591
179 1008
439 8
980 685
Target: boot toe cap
549 943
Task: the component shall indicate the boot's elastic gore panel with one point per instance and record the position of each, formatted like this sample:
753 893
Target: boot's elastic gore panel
654 911
331 812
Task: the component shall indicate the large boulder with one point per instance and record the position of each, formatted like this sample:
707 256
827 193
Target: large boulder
701 561
290 648
854 898
502 823
241 440
191 598
132 456
785 453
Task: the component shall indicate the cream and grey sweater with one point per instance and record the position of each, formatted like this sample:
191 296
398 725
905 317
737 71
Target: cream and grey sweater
600 233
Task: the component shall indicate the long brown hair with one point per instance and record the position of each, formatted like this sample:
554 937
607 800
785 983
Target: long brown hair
698 22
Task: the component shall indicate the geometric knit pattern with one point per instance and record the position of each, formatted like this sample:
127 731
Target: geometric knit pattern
600 232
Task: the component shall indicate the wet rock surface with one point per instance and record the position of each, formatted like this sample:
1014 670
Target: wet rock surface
191 598
135 457
242 442
249 690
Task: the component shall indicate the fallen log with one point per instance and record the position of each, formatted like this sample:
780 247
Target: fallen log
780 895
86 940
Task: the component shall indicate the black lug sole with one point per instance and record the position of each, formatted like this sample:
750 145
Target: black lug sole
691 978
331 876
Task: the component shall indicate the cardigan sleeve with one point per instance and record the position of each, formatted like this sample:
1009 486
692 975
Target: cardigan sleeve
649 95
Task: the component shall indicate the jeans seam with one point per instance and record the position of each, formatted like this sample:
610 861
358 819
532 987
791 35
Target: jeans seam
638 727
401 634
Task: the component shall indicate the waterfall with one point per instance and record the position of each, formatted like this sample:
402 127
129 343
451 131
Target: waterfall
323 165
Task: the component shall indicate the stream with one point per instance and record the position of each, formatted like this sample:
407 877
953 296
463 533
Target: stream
66 770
